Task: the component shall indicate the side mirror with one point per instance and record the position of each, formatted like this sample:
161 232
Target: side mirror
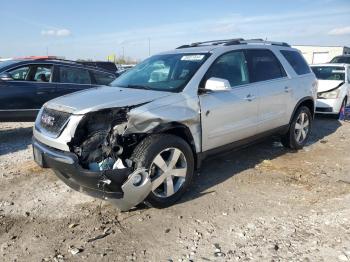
5 77
217 84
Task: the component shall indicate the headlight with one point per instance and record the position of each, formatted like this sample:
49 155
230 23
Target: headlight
329 95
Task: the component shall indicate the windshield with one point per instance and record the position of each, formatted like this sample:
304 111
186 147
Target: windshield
341 60
329 72
168 73
7 63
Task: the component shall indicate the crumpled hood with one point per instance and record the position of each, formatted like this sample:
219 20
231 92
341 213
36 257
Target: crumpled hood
326 85
94 99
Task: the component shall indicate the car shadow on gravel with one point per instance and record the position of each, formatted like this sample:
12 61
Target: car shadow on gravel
16 139
217 169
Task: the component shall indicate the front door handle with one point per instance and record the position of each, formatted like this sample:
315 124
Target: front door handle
249 98
287 89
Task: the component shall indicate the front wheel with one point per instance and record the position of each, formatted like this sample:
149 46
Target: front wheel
299 129
169 160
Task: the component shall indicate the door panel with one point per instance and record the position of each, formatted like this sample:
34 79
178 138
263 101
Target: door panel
273 87
16 95
275 96
228 116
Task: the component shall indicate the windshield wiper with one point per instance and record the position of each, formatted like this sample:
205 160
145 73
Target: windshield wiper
138 87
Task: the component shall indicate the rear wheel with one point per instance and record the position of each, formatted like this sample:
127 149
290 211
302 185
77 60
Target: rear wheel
299 129
169 160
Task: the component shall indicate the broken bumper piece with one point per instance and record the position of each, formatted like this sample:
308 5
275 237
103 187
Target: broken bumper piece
122 187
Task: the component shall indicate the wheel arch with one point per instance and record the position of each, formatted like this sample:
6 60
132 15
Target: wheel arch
180 130
306 101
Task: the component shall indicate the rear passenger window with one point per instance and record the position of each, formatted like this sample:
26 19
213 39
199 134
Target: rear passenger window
232 67
263 65
103 78
42 73
73 75
296 61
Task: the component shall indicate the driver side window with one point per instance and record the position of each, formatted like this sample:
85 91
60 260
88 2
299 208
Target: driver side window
20 73
231 66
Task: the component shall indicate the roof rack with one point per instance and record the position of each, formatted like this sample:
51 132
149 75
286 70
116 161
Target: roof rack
264 42
235 41
211 42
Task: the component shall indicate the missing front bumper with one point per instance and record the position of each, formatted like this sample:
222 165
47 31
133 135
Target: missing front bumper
117 186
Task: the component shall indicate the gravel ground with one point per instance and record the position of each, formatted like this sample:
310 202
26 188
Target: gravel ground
262 203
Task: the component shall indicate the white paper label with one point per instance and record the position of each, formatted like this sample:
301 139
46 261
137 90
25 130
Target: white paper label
192 57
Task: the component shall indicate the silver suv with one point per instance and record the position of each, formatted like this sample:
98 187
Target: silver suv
142 138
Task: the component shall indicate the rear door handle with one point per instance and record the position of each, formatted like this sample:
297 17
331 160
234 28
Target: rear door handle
249 98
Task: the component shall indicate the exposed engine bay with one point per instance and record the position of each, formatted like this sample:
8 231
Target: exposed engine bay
99 141
101 146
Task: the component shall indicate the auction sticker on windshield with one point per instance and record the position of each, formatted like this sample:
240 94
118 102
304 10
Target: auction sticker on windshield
192 57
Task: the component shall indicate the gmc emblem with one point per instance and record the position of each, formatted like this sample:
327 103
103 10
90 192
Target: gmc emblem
48 120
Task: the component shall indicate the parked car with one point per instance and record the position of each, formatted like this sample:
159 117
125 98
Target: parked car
142 139
26 84
333 87
343 59
109 66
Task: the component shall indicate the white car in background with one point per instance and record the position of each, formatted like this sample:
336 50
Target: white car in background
333 87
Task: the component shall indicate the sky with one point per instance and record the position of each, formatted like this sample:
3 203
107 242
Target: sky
91 29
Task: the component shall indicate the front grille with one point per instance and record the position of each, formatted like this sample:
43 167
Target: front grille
53 121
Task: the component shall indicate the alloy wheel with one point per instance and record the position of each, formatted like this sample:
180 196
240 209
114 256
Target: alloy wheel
302 127
168 172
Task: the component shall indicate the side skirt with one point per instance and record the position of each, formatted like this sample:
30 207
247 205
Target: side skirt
240 144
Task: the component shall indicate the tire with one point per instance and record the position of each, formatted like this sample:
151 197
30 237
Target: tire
343 105
161 148
292 139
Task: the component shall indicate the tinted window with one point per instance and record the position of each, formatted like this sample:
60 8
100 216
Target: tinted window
341 60
329 72
103 78
232 67
105 65
74 75
42 73
263 65
19 73
296 61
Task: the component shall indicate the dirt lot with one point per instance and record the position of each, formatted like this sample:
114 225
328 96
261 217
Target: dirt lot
263 203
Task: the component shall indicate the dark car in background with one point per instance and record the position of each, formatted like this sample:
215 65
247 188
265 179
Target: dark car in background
26 84
109 66
342 59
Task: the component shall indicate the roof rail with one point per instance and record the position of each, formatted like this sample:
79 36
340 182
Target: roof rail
236 41
264 42
211 42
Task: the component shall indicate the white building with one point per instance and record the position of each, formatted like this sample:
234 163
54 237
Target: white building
321 54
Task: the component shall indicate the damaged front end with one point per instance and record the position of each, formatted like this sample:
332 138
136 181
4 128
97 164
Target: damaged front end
98 163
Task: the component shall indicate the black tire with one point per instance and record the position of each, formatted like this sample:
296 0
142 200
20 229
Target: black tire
289 140
337 116
145 153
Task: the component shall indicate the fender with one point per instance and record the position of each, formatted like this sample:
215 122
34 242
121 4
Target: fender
304 99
